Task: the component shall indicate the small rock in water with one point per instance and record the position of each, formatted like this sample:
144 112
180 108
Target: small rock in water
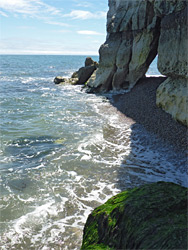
63 80
59 79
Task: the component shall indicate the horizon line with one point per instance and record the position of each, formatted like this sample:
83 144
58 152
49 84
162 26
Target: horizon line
49 54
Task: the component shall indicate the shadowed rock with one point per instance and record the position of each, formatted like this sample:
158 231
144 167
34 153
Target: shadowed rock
136 32
173 60
84 73
133 32
81 76
64 80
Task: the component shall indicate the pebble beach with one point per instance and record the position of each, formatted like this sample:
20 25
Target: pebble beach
139 106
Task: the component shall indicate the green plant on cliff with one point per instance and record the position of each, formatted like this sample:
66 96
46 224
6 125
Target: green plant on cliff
151 217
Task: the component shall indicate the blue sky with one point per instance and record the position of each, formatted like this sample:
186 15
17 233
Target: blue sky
52 26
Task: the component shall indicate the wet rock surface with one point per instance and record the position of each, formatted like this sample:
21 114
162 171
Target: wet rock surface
153 216
64 80
81 76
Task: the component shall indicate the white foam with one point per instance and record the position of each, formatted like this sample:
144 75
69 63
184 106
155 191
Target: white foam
27 223
32 90
26 200
98 160
154 75
86 158
45 88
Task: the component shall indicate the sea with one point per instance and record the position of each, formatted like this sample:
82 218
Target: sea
64 152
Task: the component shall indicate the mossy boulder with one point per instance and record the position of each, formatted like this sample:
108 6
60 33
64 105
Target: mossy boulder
153 216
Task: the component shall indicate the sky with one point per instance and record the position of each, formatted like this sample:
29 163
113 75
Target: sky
52 27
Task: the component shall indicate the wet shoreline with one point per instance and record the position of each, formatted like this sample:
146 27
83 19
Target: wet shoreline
139 106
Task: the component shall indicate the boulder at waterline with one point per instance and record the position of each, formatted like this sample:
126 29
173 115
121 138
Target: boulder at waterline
90 62
81 76
172 97
59 79
153 216
84 73
64 80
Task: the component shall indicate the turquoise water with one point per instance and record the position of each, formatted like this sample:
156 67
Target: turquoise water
64 152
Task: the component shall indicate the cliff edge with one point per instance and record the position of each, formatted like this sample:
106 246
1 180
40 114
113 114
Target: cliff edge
137 31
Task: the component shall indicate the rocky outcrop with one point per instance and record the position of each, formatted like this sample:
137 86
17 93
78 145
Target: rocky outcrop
172 97
131 45
81 76
150 217
136 32
173 60
84 73
173 41
64 80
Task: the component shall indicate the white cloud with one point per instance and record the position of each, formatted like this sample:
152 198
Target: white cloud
32 8
96 42
82 14
58 23
84 4
3 14
62 31
29 7
89 32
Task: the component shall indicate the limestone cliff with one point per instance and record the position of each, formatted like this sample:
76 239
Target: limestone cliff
173 59
136 32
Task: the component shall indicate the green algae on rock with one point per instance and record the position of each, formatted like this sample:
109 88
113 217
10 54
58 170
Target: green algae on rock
153 216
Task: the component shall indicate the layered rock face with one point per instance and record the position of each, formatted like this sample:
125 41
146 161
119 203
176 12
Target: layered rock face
173 60
131 45
136 32
150 217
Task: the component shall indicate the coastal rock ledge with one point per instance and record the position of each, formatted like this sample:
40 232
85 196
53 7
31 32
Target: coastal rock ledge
81 76
153 216
138 31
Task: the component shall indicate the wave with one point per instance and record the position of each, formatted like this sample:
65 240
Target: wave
64 153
